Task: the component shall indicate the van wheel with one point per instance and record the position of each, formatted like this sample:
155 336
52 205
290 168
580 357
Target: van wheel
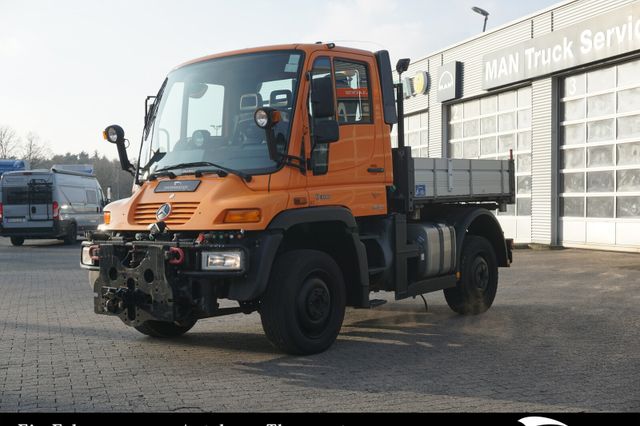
72 235
17 241
303 308
163 329
478 284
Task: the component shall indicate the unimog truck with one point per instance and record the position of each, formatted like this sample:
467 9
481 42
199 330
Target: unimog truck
267 177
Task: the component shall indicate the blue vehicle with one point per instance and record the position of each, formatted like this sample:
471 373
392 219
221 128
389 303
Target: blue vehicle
13 166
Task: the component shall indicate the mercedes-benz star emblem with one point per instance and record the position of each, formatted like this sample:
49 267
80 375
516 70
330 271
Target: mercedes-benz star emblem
163 212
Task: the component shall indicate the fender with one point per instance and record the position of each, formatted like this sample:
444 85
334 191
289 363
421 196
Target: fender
287 219
474 222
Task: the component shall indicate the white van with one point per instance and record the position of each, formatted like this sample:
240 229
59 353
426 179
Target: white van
52 203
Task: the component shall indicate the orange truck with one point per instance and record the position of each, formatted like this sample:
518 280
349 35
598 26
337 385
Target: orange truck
267 177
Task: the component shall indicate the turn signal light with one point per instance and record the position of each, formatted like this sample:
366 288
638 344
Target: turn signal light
107 218
243 216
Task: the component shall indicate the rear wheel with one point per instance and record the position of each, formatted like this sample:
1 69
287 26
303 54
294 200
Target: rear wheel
162 329
303 308
72 235
17 241
478 284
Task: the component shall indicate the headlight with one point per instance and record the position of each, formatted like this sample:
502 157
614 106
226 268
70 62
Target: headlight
262 118
112 135
90 255
223 261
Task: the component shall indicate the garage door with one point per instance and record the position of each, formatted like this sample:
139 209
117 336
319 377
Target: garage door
599 161
491 128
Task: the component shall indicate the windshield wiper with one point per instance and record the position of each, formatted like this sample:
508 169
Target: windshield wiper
164 171
157 156
154 110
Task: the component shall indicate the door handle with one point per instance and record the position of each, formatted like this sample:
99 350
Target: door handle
375 169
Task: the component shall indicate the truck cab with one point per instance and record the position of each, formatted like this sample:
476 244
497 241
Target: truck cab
267 177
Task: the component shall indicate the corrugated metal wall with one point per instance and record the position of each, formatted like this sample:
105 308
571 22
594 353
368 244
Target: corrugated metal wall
543 149
577 11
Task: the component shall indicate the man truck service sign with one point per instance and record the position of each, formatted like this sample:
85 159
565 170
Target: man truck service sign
603 37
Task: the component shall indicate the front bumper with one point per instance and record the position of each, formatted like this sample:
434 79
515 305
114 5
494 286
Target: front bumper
138 282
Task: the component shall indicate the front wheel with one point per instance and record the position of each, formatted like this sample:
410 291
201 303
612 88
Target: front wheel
162 329
478 284
17 241
303 308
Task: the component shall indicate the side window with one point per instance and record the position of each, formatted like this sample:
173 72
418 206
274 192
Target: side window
74 195
320 154
92 197
352 92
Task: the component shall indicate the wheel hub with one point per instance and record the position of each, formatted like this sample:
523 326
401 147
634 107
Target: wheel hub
314 304
480 273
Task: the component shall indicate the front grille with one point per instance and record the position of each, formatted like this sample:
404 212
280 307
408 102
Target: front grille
145 213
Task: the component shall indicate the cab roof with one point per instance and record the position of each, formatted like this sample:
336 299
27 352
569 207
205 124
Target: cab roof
306 48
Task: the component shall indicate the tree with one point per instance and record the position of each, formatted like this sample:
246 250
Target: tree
9 142
34 150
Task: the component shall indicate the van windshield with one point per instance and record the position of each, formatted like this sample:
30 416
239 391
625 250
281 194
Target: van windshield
205 113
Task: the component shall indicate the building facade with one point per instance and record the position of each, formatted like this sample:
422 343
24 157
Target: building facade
560 91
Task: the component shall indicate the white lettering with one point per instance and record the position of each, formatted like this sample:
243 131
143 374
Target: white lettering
585 40
621 32
598 40
529 54
567 49
557 53
491 70
514 63
503 71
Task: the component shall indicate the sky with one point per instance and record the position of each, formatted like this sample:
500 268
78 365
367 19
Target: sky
69 68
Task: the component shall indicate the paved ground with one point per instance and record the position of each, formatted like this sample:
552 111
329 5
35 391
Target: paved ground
563 335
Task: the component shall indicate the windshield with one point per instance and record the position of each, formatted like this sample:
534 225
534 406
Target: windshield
205 113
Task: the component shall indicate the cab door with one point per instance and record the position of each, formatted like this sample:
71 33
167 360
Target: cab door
351 171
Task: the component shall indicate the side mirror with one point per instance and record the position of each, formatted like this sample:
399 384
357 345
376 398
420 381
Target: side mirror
115 134
325 126
266 118
322 101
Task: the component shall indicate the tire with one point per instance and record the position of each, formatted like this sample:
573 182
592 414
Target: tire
17 241
303 307
164 330
478 284
72 235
